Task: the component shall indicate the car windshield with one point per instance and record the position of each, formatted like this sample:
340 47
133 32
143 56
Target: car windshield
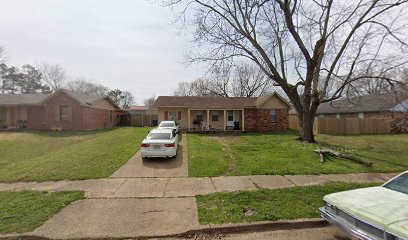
166 125
399 184
157 136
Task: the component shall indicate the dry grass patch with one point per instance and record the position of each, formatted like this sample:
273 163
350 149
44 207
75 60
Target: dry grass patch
11 136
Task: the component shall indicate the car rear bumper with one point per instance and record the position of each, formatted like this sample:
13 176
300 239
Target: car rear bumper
344 226
166 153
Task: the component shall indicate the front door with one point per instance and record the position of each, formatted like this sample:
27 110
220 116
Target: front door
230 118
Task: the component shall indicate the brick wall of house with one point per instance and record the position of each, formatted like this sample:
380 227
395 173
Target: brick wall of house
47 116
95 118
35 118
260 120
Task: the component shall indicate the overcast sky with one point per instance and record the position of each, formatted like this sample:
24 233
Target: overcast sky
126 44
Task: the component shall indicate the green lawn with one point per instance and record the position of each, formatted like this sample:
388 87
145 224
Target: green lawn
25 211
43 156
279 153
287 203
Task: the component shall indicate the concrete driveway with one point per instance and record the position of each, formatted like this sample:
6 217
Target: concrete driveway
137 167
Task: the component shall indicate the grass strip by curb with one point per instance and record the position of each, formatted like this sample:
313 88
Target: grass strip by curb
266 204
24 211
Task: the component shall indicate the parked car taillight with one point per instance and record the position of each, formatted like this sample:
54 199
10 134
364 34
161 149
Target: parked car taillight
170 145
145 145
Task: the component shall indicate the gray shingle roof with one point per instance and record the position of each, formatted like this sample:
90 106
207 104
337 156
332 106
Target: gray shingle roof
85 99
34 99
209 102
204 102
367 103
21 99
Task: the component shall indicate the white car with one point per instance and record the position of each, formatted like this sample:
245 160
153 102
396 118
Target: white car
160 143
374 213
169 125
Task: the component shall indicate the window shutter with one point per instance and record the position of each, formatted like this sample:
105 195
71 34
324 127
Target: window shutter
179 116
166 115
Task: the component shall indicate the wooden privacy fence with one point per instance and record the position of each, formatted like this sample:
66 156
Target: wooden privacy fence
293 122
346 126
140 120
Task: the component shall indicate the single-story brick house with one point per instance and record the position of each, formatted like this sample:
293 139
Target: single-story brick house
61 110
269 112
367 106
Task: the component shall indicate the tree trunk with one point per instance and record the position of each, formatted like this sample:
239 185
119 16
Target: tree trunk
306 122
308 135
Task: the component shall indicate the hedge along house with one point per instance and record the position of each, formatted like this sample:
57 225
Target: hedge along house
62 110
269 112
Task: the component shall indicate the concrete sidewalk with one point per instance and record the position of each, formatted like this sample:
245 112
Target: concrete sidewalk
122 218
149 207
188 186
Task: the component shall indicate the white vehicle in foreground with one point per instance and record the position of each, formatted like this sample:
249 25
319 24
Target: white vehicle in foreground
374 213
169 125
160 143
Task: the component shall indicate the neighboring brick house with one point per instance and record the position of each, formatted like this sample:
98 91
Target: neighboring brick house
389 107
269 112
62 110
367 106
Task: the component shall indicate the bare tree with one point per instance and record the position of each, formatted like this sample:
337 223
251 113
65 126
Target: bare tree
250 81
53 75
183 89
86 86
304 47
149 101
127 100
2 55
241 80
124 99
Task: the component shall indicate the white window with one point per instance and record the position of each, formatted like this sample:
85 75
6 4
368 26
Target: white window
360 115
337 115
214 116
172 116
273 116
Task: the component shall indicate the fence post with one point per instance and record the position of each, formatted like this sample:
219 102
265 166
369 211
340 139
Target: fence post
316 125
344 125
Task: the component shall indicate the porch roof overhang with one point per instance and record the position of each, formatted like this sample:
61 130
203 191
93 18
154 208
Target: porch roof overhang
215 109
171 107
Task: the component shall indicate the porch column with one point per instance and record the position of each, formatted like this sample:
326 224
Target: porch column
8 117
15 116
243 120
225 120
188 119
208 119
